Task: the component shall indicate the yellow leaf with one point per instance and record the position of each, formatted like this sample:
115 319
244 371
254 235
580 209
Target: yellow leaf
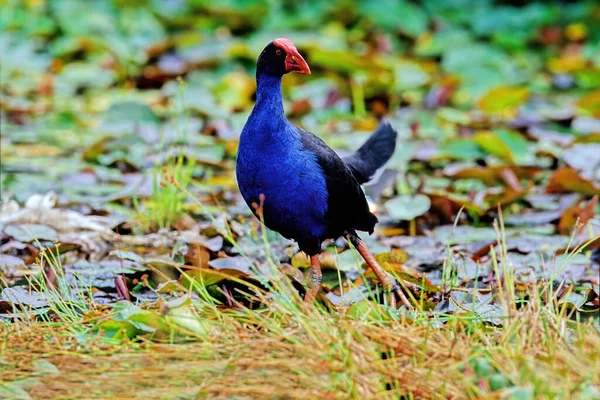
590 103
37 150
567 63
576 32
396 256
207 276
503 99
300 260
493 145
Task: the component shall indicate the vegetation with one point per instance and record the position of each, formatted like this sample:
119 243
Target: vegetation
130 267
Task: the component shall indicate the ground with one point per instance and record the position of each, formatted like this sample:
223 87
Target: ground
130 266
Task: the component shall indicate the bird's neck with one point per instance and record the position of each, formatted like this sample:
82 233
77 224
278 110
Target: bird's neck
268 96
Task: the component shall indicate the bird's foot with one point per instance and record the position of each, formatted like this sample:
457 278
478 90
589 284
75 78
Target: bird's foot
398 291
316 278
390 284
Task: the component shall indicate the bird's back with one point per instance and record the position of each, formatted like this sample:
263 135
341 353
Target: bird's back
347 207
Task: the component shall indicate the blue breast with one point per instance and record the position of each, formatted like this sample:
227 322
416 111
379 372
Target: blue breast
271 161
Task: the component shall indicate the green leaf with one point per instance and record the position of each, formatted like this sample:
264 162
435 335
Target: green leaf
482 367
498 381
127 255
181 314
410 75
507 145
11 390
521 393
402 15
131 112
208 277
408 207
117 329
45 367
460 149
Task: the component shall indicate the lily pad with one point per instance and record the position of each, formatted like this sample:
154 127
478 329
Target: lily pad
237 263
28 233
17 296
407 207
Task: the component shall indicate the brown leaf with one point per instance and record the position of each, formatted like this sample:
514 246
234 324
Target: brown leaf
492 174
510 178
577 214
567 179
505 197
197 255
483 251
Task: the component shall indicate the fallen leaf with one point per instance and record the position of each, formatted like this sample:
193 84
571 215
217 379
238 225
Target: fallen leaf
8 261
28 233
181 314
395 256
590 104
503 100
18 297
577 214
584 158
208 277
506 144
567 179
236 263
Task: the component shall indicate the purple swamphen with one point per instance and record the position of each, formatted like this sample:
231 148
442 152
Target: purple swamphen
306 192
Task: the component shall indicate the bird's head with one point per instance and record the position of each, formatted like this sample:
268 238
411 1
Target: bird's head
280 57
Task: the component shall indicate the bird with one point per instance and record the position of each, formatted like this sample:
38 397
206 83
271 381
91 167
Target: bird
295 183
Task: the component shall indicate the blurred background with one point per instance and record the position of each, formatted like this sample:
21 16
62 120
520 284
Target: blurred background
103 103
496 102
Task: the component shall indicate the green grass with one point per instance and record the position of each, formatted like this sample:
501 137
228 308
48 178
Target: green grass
167 203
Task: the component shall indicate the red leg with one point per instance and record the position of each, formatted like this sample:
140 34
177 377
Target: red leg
381 274
316 277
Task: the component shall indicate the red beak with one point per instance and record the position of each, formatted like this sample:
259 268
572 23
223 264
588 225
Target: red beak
293 61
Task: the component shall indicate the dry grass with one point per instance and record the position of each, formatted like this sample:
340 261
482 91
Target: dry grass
315 355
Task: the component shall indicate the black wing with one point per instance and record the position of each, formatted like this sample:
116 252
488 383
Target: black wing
373 154
347 207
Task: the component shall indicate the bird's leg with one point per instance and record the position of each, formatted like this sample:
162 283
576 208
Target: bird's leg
389 285
316 277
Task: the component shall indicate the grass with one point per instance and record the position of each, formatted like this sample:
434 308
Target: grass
283 349
167 204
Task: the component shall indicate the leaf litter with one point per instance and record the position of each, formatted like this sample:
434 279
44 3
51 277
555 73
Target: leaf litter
489 114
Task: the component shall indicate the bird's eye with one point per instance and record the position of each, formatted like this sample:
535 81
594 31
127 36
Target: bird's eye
278 52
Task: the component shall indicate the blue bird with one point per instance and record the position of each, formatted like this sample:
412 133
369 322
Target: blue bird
297 184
